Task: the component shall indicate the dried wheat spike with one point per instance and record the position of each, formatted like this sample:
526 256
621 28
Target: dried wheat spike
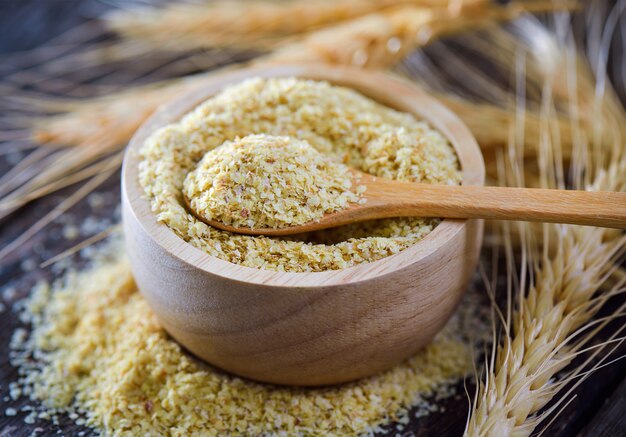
258 24
381 39
564 269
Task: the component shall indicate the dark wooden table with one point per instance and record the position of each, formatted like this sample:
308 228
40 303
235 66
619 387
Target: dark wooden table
599 404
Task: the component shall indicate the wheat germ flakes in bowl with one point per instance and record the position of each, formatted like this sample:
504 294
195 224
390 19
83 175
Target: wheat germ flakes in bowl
339 123
263 181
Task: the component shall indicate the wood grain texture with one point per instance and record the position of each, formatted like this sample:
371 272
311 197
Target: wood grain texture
610 421
305 328
387 198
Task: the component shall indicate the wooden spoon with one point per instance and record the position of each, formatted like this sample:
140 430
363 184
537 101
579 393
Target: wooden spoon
387 198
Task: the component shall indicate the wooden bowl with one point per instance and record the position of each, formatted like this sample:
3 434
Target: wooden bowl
305 328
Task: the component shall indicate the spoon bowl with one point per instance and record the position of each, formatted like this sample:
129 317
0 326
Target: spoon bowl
311 328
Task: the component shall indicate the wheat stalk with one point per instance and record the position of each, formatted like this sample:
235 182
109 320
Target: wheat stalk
258 24
381 39
561 288
577 97
540 341
157 36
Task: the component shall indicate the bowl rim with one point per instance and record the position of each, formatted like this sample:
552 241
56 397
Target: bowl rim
383 87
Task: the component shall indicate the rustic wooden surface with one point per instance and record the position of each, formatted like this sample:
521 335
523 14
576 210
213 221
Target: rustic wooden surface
598 405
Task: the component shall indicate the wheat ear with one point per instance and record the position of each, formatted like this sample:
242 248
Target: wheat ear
560 290
256 24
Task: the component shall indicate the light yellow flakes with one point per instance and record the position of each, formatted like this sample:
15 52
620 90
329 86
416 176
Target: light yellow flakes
263 181
133 379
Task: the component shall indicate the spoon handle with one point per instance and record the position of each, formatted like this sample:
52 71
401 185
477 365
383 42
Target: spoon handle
605 208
